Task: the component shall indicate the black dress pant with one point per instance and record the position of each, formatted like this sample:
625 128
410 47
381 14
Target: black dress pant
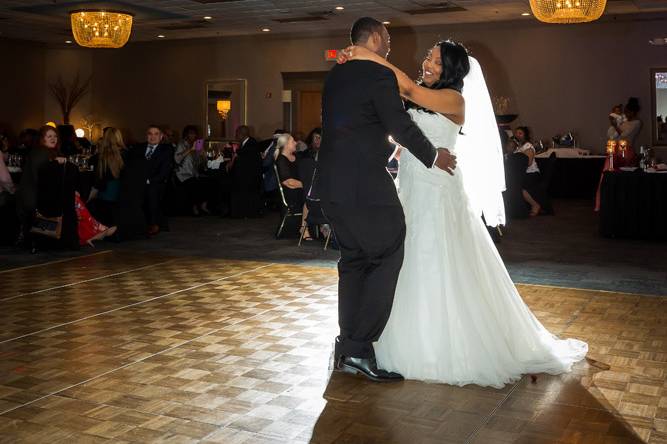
371 245
153 204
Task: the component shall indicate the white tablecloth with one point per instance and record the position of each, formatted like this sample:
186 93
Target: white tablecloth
568 153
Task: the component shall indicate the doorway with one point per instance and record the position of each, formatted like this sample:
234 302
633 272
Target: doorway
304 111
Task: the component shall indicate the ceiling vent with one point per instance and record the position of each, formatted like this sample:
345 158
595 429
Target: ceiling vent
304 19
436 8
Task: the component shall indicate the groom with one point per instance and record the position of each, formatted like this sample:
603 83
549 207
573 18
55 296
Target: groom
361 107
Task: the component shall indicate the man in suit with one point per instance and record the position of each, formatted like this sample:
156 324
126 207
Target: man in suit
246 174
159 164
361 107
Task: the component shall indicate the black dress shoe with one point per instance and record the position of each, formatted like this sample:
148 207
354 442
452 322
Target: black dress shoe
368 368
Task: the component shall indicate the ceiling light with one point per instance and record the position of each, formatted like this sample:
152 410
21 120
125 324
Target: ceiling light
386 23
567 11
339 8
207 17
160 36
526 14
68 41
266 30
101 29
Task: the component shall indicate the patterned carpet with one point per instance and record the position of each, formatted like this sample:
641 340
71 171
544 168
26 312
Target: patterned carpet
127 347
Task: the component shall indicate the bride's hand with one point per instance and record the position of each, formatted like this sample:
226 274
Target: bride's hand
356 53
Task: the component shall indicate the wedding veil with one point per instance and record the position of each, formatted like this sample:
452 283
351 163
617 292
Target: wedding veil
479 151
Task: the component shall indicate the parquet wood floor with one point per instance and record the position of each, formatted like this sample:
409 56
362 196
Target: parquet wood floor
141 348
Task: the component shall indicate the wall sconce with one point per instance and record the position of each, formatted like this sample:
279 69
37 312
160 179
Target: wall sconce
223 107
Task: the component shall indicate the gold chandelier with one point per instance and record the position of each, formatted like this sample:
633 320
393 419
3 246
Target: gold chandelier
101 29
223 107
567 11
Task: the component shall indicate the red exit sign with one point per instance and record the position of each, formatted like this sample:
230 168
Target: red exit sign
330 55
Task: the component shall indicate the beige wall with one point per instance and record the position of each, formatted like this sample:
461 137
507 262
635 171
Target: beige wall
559 77
21 85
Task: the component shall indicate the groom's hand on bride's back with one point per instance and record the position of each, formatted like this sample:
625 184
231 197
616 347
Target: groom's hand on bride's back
446 161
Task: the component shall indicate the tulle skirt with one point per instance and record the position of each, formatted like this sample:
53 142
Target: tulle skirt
457 317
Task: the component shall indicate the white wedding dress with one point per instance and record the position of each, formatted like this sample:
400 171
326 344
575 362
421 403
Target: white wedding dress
457 317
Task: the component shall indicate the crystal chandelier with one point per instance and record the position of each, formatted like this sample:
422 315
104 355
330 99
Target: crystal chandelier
567 11
101 29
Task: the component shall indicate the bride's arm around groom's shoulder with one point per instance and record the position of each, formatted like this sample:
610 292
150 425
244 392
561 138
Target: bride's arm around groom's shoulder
389 107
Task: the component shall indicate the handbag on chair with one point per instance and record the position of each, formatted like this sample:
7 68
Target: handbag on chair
49 226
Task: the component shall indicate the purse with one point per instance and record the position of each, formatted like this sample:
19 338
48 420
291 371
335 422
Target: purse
49 226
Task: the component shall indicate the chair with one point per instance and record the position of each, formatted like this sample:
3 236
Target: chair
316 218
515 169
285 209
547 175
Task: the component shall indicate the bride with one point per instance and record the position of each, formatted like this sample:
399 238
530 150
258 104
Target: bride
457 317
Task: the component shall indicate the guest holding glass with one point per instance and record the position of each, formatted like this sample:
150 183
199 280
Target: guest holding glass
190 160
521 143
26 196
288 175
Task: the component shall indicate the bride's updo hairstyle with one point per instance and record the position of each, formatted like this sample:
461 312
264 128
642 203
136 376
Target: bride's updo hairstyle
455 66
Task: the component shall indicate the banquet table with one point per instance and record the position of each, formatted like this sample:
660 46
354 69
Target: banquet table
573 177
634 205
86 179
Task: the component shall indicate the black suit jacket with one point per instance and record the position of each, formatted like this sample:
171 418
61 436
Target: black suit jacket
161 163
361 107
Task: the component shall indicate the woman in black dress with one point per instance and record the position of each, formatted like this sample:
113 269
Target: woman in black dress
57 182
288 175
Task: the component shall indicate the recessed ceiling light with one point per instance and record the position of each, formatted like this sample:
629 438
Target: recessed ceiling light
525 14
160 36
266 30
386 23
340 8
207 17
68 41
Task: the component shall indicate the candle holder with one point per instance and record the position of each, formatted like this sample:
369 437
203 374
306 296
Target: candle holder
622 147
611 150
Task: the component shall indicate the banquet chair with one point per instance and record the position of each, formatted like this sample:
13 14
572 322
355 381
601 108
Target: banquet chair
515 168
316 218
549 167
286 211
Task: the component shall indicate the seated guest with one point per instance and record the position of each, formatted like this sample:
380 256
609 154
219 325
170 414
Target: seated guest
108 163
521 144
158 166
269 182
8 219
314 140
189 162
6 183
88 228
56 186
28 139
246 176
288 175
26 196
627 128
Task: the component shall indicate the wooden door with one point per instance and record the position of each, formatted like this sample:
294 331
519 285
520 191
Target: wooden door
310 111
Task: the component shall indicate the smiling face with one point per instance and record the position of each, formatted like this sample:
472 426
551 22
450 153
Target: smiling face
50 139
432 66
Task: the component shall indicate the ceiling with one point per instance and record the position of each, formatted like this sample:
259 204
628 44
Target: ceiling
48 21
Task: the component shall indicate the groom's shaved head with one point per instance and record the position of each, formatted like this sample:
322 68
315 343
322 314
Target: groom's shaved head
363 29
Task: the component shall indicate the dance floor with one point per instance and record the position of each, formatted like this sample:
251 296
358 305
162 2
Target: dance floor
129 347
